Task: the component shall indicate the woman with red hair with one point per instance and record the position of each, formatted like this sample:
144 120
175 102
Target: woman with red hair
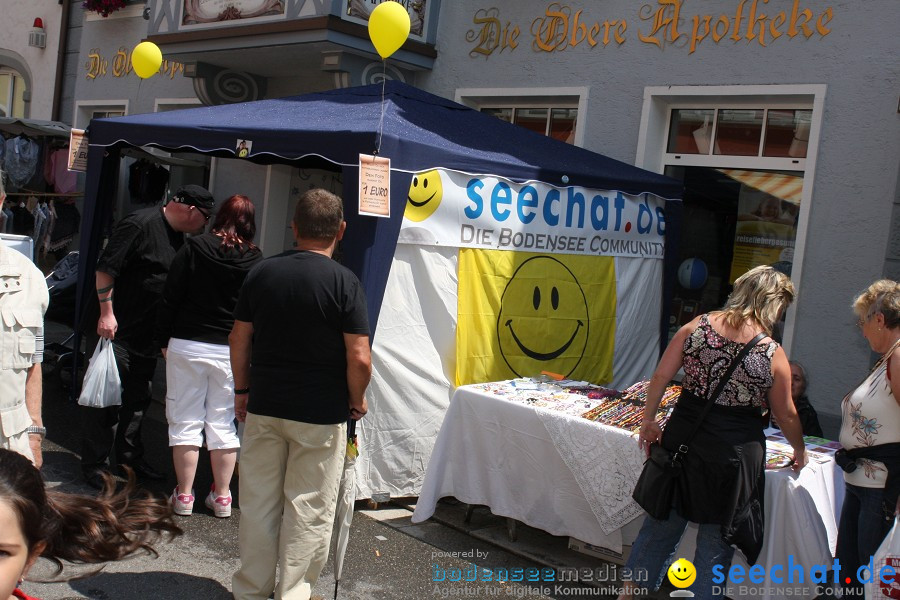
192 330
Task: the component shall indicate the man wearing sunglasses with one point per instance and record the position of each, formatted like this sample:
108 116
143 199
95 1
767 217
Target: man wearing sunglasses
131 273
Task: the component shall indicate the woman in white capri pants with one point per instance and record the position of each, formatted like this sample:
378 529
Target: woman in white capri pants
192 328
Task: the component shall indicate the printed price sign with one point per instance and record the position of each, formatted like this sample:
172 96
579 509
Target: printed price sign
78 150
374 186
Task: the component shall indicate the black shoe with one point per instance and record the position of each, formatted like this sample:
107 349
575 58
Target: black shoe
94 478
143 470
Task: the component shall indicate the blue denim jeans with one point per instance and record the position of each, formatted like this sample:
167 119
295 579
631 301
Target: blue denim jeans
862 528
654 550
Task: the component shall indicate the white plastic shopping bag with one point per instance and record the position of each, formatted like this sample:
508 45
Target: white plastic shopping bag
882 584
102 386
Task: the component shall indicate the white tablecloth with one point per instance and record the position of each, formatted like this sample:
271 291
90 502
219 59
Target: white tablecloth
552 471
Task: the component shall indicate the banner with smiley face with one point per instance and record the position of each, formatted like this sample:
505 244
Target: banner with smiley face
522 313
448 208
532 278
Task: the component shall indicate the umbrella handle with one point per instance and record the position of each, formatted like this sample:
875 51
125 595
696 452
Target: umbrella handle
351 429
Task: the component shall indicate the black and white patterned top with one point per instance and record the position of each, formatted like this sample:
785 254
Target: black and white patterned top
707 354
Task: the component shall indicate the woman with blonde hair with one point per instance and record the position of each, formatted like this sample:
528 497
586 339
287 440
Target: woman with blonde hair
870 432
717 423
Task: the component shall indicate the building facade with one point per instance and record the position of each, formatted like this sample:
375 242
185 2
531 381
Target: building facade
780 116
30 59
650 82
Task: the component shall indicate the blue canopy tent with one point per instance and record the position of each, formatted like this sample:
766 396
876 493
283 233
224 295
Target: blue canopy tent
413 128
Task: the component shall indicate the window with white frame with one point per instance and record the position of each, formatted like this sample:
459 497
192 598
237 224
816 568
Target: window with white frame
554 113
87 110
103 114
557 122
743 161
168 104
12 93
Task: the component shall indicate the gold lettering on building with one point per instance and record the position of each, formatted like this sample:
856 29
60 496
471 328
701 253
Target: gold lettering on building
559 29
171 67
121 63
664 24
97 66
491 34
758 26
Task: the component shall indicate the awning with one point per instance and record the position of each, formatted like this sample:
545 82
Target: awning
783 186
34 127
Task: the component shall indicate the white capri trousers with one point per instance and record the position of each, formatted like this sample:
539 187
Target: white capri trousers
200 395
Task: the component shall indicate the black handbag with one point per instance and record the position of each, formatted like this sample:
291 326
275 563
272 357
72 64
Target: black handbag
655 488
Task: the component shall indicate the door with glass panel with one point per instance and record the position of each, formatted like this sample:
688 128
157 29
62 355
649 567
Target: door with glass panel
743 170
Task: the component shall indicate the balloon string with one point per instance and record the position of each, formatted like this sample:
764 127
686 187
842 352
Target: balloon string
381 119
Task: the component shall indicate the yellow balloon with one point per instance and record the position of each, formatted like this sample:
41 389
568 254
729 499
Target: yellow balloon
388 27
146 59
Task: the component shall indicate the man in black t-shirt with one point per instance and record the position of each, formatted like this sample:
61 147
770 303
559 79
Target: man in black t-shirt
133 268
301 364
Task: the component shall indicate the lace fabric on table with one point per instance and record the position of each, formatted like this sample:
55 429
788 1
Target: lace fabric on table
606 468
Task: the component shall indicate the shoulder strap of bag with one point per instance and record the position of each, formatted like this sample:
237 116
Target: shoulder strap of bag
711 399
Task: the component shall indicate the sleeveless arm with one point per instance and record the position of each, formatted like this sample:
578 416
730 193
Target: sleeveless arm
783 407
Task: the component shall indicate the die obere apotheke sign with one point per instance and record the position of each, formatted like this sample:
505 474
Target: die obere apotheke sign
665 23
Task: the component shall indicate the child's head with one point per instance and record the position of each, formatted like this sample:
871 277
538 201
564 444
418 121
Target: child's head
22 505
76 528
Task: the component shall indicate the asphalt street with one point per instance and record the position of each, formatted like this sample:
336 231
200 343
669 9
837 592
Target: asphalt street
388 557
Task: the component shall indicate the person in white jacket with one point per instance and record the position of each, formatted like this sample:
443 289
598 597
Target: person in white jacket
23 301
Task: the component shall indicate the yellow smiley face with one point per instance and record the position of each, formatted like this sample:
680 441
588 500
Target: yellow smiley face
543 321
425 194
682 573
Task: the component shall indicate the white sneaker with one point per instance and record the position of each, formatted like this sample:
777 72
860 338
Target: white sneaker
182 504
220 505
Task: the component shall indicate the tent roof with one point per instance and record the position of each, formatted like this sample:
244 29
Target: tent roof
420 131
34 127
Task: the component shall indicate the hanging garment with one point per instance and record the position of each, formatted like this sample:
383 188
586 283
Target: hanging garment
23 220
8 227
66 226
20 160
147 182
40 226
51 222
57 173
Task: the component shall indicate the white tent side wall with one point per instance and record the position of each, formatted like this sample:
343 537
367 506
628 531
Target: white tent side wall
414 356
